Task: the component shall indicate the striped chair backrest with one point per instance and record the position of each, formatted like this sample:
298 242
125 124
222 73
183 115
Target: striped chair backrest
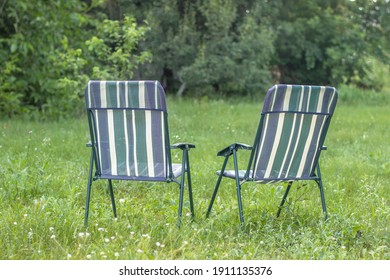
129 127
292 130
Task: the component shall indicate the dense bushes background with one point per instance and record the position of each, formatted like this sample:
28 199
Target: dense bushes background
49 49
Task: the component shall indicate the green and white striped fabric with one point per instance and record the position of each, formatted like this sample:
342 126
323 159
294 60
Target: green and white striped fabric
294 123
128 121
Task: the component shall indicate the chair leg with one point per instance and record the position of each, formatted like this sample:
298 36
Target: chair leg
190 188
284 198
112 197
88 198
319 182
217 187
323 199
180 210
238 188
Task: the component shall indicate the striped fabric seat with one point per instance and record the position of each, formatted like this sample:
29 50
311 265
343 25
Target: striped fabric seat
130 124
289 139
129 132
295 120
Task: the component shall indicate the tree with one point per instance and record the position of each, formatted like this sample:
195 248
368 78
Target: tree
327 42
49 50
208 46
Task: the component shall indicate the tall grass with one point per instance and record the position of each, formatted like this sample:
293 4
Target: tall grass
43 176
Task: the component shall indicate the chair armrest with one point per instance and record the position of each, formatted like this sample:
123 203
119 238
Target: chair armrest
324 148
182 146
89 144
235 146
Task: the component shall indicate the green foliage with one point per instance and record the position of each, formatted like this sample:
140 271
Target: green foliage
214 44
42 55
44 171
50 49
113 49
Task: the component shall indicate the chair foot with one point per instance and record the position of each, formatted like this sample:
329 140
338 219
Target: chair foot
284 199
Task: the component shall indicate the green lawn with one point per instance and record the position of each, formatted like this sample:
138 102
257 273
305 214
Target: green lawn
43 178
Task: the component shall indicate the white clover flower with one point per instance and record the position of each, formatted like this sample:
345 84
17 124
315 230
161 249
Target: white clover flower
106 240
81 234
132 232
122 200
89 257
139 251
51 229
100 229
158 244
116 254
52 236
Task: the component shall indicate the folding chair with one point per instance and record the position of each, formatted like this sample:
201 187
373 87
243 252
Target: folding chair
128 125
288 143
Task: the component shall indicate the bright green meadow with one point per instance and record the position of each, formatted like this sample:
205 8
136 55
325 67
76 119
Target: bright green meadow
44 172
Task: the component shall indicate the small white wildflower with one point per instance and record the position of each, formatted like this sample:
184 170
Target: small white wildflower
158 244
162 245
122 200
89 257
81 234
343 247
25 215
145 235
69 256
51 229
106 240
185 242
52 236
261 242
139 251
132 232
100 229
15 223
112 237
116 254
87 234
